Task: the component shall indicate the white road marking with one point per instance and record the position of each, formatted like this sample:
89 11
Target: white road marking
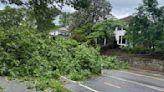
146 76
88 88
78 83
137 83
111 85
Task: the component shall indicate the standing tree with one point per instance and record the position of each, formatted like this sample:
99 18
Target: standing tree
160 26
64 19
97 10
44 11
84 19
11 17
145 29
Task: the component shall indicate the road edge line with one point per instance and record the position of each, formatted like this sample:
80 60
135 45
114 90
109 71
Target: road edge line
80 84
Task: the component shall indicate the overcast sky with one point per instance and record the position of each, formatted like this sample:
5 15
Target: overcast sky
121 8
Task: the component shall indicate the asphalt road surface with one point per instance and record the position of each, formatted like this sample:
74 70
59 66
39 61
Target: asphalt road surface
120 81
13 86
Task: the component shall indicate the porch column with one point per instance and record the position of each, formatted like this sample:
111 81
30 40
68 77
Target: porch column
104 41
121 40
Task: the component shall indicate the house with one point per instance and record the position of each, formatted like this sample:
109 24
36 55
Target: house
60 32
120 33
120 36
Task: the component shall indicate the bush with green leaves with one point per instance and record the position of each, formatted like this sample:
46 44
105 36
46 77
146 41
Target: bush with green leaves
49 85
1 89
24 53
28 53
113 63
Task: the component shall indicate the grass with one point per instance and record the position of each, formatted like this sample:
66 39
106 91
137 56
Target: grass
1 89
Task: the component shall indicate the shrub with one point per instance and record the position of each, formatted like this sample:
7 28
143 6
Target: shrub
30 54
26 52
138 50
49 85
113 63
1 89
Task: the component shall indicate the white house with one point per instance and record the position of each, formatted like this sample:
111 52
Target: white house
121 32
60 32
120 36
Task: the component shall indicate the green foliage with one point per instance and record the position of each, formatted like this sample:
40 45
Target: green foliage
44 15
46 85
82 75
65 19
99 31
24 52
96 11
1 89
77 4
49 85
113 63
80 4
146 27
40 12
43 12
10 17
30 54
80 34
40 18
106 28
88 59
137 50
35 56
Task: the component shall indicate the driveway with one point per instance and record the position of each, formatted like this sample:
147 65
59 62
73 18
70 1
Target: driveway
121 81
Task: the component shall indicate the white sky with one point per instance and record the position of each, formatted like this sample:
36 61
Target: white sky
120 8
124 8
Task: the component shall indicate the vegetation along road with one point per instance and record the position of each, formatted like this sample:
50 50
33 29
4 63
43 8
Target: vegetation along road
40 42
120 81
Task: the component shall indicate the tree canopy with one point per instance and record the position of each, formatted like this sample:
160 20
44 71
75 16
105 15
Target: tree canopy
146 27
11 17
44 11
96 11
64 19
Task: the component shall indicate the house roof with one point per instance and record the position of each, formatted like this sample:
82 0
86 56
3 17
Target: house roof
60 29
127 19
63 29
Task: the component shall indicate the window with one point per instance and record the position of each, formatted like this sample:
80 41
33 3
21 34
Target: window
119 39
119 28
123 40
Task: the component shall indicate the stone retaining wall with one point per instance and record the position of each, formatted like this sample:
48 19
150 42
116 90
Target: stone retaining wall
144 63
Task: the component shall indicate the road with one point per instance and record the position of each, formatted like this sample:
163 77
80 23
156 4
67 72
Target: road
13 86
120 81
